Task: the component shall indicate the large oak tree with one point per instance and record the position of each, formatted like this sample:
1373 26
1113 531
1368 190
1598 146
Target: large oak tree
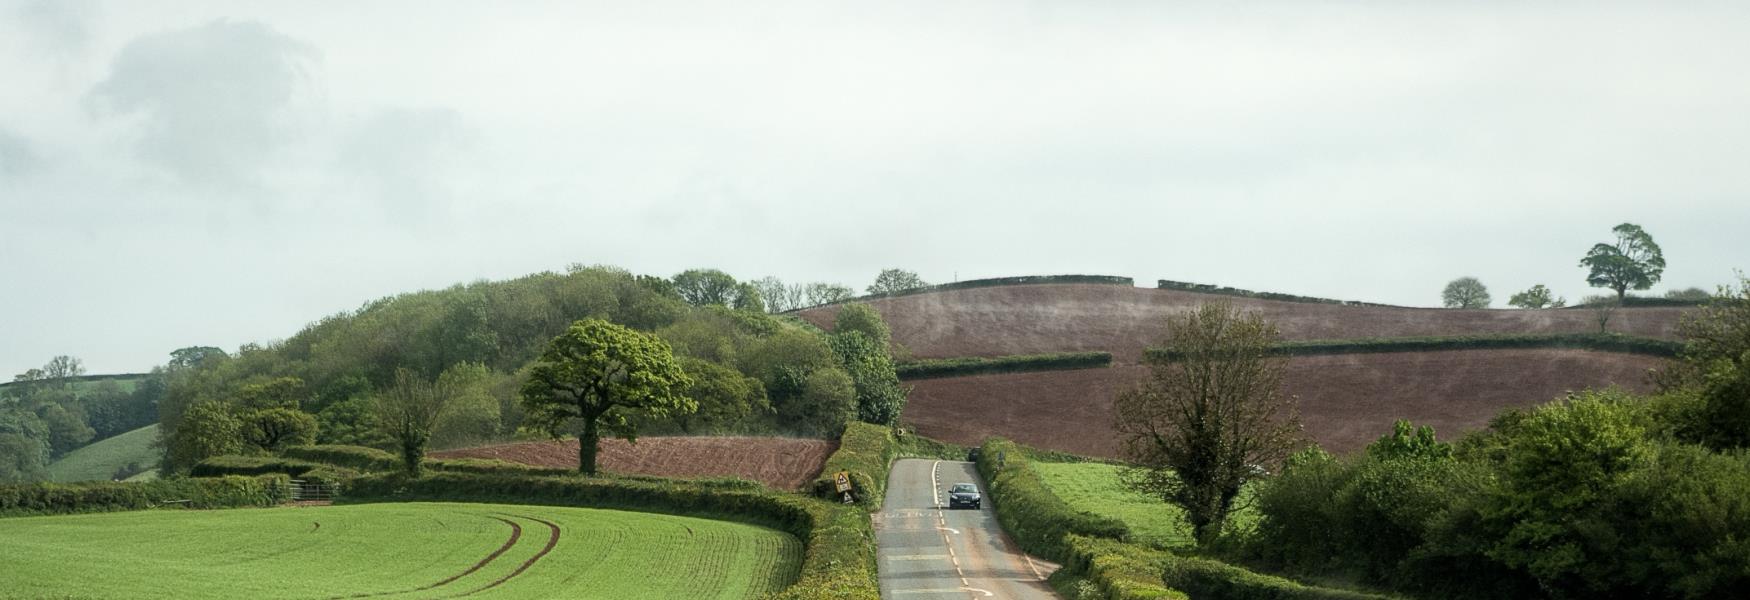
1634 262
598 375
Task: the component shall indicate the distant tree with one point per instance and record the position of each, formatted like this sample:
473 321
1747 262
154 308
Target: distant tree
1537 297
1210 411
473 416
194 356
30 376
1466 292
63 367
726 399
1693 294
860 317
351 422
207 429
702 287
1603 308
895 280
748 298
282 392
67 429
24 446
880 397
819 293
275 429
409 409
603 375
775 294
827 400
1633 262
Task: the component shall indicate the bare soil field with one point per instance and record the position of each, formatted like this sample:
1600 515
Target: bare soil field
1346 400
782 463
1030 319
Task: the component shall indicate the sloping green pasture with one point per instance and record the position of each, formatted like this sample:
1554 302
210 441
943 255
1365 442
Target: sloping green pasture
99 461
1096 488
392 551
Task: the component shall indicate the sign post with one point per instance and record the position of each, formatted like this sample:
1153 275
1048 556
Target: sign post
842 482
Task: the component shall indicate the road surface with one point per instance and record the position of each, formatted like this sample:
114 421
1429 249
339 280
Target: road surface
928 552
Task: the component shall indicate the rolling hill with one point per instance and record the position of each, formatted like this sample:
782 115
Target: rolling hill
101 460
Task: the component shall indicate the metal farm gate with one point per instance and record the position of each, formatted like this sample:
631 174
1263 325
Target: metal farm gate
299 490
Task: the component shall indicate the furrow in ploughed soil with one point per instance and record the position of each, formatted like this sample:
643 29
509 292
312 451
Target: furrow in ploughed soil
552 541
516 532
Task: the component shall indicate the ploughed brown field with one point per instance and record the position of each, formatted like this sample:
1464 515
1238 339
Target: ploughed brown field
1346 400
782 463
1033 319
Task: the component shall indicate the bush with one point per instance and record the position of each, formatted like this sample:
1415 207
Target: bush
1213 580
359 458
975 365
865 451
840 558
1035 517
1119 571
219 466
105 496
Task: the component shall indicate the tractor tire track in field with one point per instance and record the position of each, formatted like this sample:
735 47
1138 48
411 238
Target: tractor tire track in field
552 541
516 533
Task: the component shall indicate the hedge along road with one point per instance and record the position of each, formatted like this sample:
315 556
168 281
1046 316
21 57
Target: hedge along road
929 552
391 552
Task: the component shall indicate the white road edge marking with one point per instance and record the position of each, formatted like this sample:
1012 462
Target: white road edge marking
986 593
956 531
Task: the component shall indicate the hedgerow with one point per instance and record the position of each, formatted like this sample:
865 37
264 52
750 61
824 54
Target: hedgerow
977 365
219 466
1203 288
865 451
1118 570
1035 517
359 458
1603 342
992 282
839 562
105 496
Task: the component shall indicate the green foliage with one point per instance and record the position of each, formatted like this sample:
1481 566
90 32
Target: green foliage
1205 578
1537 297
604 375
1465 292
859 317
705 287
1005 281
408 410
1693 294
726 399
1098 488
1035 517
865 451
208 429
201 493
220 466
358 458
1633 262
879 395
1602 342
1202 288
351 422
1018 363
274 429
895 280
124 455
1119 571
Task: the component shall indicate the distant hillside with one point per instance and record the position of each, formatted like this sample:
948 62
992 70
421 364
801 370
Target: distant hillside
126 381
102 460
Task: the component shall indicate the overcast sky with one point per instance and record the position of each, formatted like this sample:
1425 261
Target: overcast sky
215 173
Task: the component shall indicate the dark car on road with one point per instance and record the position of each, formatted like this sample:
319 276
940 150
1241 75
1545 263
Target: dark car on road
964 494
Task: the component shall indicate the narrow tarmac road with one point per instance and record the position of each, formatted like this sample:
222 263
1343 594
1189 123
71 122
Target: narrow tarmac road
929 552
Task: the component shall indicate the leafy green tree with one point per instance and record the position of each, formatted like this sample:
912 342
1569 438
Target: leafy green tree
194 356
67 429
24 447
275 429
1634 262
726 399
473 416
351 422
1465 292
704 287
1537 297
207 429
63 367
820 292
748 298
409 409
777 295
1210 410
602 375
880 398
827 399
859 317
282 392
895 280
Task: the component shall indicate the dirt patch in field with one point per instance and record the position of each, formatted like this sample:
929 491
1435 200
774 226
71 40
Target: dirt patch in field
782 463
1346 400
1030 319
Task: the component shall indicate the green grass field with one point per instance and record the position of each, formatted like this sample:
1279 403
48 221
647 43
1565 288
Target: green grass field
414 550
1095 488
100 460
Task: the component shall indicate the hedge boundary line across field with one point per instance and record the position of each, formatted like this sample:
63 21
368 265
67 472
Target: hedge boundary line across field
1600 342
31 499
1015 363
839 560
866 451
983 283
1220 290
1095 547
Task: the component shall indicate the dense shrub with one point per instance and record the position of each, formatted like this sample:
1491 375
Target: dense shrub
840 558
219 492
1204 288
865 451
1035 517
359 458
1202 578
1119 571
977 365
219 466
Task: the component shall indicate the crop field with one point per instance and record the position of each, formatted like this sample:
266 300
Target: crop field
99 461
416 550
781 463
1035 319
1095 488
1346 400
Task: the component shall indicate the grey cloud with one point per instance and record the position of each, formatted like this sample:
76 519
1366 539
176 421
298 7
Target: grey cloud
404 154
57 26
216 101
18 157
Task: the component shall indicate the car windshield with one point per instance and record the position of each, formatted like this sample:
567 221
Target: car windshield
964 488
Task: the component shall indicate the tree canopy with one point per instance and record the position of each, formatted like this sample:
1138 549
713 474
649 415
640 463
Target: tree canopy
1465 292
1633 262
1537 297
895 280
601 375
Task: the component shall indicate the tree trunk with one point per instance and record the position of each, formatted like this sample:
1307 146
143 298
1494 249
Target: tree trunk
586 447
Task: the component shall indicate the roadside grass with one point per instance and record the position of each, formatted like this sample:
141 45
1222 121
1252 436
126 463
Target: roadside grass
391 550
1096 488
100 461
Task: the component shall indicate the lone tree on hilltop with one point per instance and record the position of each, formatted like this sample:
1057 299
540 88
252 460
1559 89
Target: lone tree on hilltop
1211 411
702 287
1466 292
1634 262
1537 297
598 374
895 280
